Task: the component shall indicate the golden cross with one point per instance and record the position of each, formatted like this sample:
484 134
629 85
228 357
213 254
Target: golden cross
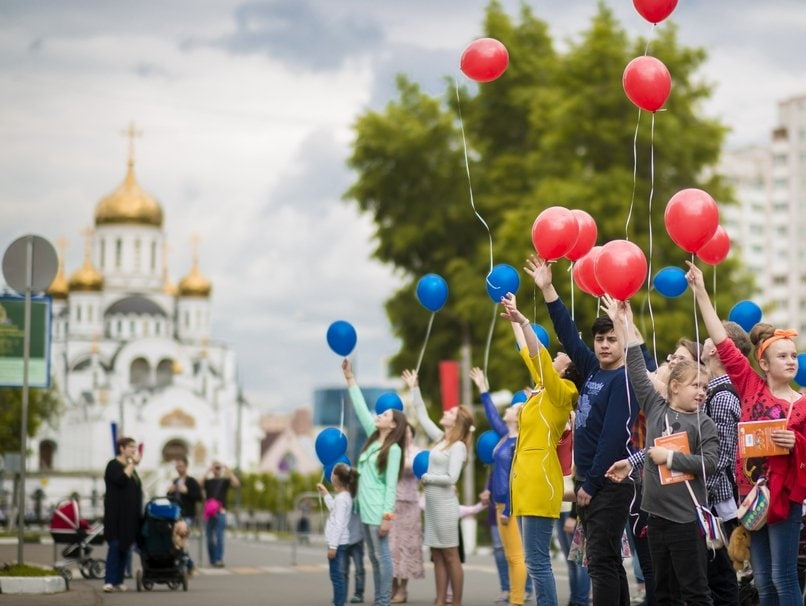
196 239
87 232
132 133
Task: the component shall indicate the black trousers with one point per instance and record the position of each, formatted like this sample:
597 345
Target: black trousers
721 574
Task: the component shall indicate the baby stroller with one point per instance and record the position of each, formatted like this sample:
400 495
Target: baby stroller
67 528
162 560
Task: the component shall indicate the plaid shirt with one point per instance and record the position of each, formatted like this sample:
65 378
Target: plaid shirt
724 408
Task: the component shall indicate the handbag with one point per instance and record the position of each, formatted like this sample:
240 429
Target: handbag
752 512
211 508
565 451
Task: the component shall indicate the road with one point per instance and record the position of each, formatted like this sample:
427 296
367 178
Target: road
262 572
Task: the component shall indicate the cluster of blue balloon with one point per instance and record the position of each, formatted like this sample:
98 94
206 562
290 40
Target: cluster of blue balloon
502 279
486 444
670 282
420 463
519 397
331 446
432 292
386 401
341 337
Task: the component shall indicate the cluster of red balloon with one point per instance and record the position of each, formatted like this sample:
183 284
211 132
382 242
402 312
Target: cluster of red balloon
484 60
692 222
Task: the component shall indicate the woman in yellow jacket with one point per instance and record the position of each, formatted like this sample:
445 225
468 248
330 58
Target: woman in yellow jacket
537 479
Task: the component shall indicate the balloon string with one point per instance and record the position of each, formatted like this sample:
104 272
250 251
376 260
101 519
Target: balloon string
649 38
467 170
490 338
713 296
634 176
341 415
699 376
571 278
425 342
649 213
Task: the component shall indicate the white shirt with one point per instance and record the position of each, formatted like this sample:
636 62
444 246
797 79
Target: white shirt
337 528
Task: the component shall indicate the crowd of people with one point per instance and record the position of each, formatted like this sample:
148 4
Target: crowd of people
655 463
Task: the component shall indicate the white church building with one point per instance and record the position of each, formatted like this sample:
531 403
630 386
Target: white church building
131 348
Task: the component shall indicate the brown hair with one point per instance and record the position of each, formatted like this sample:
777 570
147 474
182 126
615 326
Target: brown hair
760 333
739 337
396 436
683 371
694 348
463 427
347 476
124 441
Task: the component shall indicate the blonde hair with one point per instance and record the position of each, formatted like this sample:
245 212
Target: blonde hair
462 429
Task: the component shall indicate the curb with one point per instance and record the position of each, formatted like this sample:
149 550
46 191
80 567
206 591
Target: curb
54 584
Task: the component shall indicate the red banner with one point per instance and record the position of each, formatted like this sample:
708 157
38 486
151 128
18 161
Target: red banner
449 383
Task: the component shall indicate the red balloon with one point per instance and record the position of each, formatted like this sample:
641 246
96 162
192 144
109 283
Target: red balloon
554 232
654 11
585 273
716 249
484 60
621 269
691 218
647 83
586 238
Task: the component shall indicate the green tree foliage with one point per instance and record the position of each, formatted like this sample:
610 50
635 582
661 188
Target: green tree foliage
555 129
44 405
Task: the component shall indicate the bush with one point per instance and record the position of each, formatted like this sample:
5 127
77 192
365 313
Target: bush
15 570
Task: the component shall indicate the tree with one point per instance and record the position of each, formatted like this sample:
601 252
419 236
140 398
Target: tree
555 129
44 406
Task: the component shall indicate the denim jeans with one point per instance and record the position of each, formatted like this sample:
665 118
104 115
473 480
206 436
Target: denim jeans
186 554
115 562
500 558
679 561
355 553
536 531
579 582
338 575
774 556
603 520
215 537
381 558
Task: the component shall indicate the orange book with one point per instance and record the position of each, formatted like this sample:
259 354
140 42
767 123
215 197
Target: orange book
755 439
677 442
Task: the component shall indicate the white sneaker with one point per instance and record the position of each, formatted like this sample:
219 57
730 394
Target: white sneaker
120 587
109 588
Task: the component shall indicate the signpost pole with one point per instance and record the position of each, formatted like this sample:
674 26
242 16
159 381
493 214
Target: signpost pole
26 346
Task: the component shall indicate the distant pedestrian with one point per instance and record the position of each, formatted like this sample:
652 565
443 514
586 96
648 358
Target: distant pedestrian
219 479
123 508
187 493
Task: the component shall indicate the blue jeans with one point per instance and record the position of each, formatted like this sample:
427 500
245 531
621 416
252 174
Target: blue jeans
355 552
186 554
536 533
115 562
216 526
338 575
774 556
579 582
381 558
500 558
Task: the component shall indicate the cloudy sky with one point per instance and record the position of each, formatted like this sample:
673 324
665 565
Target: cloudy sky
247 110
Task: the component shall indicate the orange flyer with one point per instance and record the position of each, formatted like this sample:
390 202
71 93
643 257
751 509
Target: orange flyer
755 439
677 442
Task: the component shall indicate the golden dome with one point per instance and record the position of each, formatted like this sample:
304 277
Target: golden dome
129 204
86 279
195 284
59 288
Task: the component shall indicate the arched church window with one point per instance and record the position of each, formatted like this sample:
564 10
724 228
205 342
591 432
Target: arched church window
165 373
102 253
118 253
47 451
137 255
174 449
78 313
153 255
139 372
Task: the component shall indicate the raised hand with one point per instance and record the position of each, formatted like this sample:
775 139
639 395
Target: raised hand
695 278
511 311
477 376
540 271
410 378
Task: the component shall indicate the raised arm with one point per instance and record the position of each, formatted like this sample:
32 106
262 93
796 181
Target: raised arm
431 429
712 322
540 271
357 399
495 420
520 325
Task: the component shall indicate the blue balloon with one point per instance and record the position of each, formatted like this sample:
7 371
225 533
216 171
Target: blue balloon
329 467
330 444
486 444
420 463
341 337
432 291
542 335
501 280
670 282
519 397
388 400
746 314
800 376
